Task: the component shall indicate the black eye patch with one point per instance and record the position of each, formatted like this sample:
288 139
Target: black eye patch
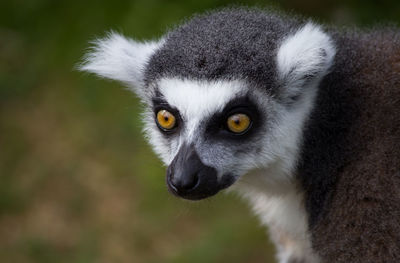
217 124
159 103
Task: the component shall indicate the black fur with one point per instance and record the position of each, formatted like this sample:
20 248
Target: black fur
350 167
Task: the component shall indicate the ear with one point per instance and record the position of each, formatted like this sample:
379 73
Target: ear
303 59
119 58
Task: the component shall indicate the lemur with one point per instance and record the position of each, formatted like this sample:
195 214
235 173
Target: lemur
303 120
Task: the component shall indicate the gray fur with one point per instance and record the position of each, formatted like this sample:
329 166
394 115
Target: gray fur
229 44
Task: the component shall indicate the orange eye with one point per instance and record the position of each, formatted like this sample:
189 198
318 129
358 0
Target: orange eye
166 119
238 123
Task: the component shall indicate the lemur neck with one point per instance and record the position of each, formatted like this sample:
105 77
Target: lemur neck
273 196
279 205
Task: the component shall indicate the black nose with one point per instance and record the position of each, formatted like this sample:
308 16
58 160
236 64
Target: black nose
188 177
183 183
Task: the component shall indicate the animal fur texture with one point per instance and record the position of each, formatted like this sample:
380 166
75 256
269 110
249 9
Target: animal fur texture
320 163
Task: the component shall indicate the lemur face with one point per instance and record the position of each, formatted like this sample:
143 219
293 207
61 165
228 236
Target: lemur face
225 93
209 133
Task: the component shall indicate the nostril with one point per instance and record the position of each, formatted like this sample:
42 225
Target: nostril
184 183
189 182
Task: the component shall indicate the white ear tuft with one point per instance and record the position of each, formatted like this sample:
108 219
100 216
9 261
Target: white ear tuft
119 58
304 56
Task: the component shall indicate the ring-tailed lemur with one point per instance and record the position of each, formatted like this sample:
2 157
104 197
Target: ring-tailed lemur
303 121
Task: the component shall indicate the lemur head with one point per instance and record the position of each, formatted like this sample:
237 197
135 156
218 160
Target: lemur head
226 93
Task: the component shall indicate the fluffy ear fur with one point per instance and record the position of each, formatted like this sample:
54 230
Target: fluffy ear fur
303 58
119 58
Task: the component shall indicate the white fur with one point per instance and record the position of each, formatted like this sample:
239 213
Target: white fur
119 58
279 206
197 100
308 51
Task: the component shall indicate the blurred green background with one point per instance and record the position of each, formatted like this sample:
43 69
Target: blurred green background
77 181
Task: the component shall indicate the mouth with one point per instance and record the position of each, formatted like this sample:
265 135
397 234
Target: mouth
203 188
